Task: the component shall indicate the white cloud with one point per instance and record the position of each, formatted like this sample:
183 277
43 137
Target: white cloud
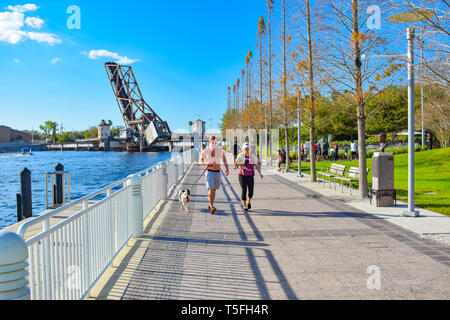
48 38
34 22
23 8
56 60
12 24
16 60
95 54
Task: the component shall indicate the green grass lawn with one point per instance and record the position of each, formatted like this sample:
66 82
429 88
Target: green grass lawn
432 177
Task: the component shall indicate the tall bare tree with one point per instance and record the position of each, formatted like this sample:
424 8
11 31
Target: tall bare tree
311 93
248 62
261 34
269 29
285 89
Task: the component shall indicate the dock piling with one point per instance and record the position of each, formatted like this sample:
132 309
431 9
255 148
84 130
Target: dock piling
25 193
59 185
19 207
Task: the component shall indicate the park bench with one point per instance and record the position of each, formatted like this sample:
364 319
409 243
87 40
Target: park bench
352 176
333 172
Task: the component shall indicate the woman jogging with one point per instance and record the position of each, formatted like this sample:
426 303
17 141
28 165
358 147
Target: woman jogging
247 163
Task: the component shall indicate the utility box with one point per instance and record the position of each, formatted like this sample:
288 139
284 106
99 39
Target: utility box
383 193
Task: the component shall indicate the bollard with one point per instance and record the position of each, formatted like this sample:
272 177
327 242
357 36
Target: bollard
13 264
137 206
59 185
25 193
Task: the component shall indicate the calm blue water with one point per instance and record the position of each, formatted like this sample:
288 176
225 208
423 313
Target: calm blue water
89 172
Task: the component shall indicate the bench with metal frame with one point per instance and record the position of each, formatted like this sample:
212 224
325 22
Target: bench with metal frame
334 171
352 176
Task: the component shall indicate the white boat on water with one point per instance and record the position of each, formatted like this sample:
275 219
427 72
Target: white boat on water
26 152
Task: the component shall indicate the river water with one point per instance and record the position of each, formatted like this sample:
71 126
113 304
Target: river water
89 172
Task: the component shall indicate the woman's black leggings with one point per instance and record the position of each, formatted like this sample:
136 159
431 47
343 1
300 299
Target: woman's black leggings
247 182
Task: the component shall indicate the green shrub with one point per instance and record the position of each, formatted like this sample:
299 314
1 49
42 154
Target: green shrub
372 140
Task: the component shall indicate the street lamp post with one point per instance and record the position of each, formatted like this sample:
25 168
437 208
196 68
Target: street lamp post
421 42
410 35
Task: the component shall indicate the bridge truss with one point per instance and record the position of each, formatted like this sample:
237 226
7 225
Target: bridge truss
144 127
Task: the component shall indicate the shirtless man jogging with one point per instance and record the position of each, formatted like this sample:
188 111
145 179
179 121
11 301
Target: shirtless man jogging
211 158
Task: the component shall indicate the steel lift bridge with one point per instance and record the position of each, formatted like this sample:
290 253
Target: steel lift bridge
145 130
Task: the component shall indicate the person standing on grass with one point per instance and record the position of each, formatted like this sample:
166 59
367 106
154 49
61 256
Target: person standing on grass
319 151
326 145
247 163
354 149
211 157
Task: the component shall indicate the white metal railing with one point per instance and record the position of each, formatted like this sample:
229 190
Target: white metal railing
66 259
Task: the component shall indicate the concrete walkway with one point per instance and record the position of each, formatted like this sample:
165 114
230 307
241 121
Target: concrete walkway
429 224
294 244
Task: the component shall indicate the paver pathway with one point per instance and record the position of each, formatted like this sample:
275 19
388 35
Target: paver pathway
294 244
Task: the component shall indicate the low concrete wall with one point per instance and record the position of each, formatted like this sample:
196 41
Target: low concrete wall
17 147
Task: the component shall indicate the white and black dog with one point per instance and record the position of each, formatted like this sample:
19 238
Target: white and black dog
184 196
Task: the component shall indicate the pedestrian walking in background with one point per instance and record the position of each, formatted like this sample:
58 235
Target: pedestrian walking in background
319 151
235 152
326 145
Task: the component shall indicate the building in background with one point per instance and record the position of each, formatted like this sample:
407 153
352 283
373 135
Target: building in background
199 127
8 135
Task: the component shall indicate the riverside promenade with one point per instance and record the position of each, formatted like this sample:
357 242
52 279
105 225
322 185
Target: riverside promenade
294 244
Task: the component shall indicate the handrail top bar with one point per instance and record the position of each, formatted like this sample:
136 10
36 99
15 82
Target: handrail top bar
22 229
58 172
77 215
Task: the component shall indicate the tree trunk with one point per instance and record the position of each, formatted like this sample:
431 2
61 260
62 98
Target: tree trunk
311 96
286 124
360 112
270 89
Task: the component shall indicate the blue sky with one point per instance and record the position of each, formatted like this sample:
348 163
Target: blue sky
188 52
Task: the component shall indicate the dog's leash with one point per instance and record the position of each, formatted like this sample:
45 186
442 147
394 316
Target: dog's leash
200 176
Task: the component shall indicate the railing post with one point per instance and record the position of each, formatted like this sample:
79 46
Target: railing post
137 210
13 264
177 170
165 181
181 158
